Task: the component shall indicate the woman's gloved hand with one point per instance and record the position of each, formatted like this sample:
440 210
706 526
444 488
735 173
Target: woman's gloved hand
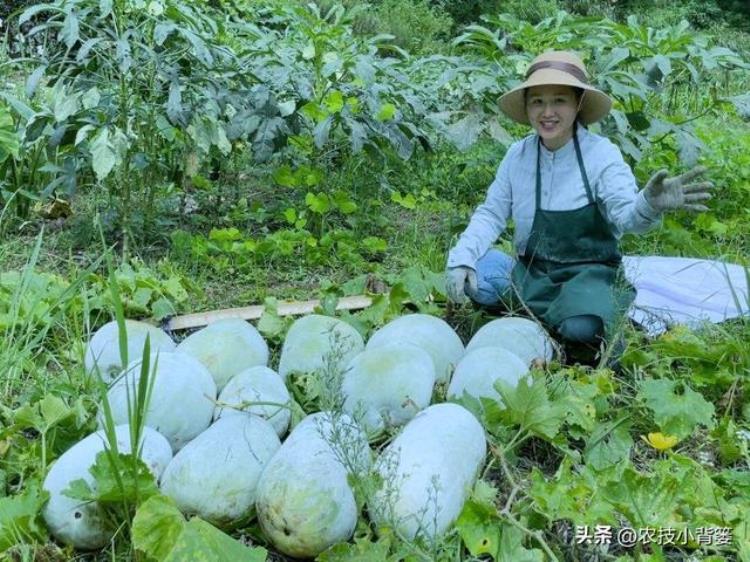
667 194
455 280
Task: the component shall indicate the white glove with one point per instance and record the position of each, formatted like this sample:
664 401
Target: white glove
455 281
666 194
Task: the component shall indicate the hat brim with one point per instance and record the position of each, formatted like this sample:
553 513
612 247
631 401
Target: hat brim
595 106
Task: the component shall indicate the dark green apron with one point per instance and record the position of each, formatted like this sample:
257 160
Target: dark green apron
571 265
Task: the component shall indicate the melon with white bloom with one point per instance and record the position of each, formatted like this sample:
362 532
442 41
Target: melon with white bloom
258 391
524 337
215 475
226 347
182 401
304 501
479 370
103 350
81 523
427 332
317 342
387 385
428 471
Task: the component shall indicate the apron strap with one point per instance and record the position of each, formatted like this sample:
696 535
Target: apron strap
581 167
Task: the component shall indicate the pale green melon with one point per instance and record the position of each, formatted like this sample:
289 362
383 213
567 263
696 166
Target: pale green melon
428 332
304 501
215 475
387 385
103 350
428 471
182 397
314 340
263 386
480 368
226 347
80 523
526 338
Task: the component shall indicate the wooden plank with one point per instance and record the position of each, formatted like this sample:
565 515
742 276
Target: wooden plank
200 319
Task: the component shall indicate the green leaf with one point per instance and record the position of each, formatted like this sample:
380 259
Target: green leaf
103 158
386 112
638 120
105 8
65 105
9 142
374 245
343 202
69 33
407 202
334 101
464 132
610 444
529 407
157 526
162 308
362 550
314 111
677 408
32 82
53 410
117 478
646 500
511 547
19 517
318 203
270 324
742 105
160 531
479 529
283 175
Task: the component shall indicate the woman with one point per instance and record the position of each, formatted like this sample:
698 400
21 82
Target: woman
571 197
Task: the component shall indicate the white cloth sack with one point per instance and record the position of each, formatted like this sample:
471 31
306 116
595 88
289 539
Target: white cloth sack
685 291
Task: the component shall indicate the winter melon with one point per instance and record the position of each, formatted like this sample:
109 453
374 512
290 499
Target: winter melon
257 391
314 341
216 474
226 347
388 384
427 471
430 333
480 368
103 351
80 523
183 396
522 336
304 500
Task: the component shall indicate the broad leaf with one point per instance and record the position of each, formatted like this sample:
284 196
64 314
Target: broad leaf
609 444
102 154
69 33
677 408
160 531
19 517
529 407
479 529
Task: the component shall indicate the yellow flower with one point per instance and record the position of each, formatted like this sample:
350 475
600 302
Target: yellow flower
660 441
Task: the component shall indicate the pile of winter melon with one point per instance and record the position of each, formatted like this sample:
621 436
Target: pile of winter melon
218 439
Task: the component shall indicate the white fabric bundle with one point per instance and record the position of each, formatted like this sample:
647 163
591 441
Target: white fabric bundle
685 291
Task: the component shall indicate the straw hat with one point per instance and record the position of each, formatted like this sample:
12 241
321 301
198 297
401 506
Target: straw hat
563 68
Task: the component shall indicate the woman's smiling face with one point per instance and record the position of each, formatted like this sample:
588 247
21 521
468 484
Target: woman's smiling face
552 112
